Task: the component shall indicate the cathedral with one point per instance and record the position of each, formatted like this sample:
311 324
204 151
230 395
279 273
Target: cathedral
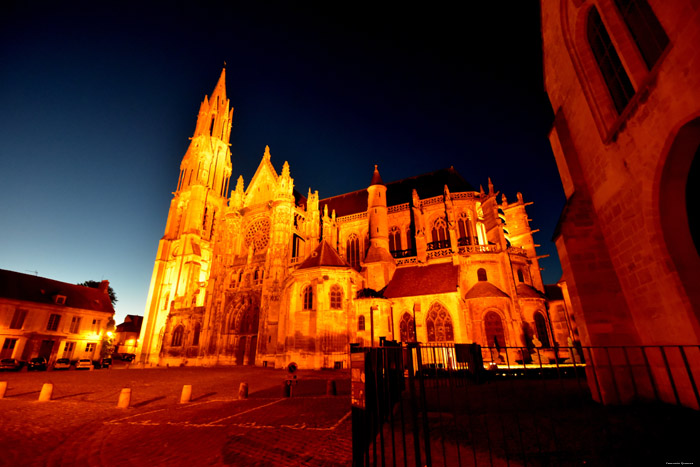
264 275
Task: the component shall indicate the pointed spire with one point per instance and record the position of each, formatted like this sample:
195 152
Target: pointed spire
267 153
285 169
376 178
220 88
490 186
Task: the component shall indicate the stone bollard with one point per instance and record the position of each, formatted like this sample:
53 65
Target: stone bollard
46 392
330 388
124 398
243 391
287 388
3 388
186 394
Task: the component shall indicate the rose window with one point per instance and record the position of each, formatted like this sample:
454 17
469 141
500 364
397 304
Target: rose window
258 234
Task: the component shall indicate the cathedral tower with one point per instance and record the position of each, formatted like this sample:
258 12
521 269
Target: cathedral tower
183 261
379 264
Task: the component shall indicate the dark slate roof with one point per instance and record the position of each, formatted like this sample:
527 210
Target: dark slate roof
25 287
483 289
553 292
423 280
527 291
376 178
323 256
132 323
399 192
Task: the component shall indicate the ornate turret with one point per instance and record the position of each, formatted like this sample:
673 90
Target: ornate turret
379 263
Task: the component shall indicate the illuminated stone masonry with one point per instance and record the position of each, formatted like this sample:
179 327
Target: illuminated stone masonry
268 276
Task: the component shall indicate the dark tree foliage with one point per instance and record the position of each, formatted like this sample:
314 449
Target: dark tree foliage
95 285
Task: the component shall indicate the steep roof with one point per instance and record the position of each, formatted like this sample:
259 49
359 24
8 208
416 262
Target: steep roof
423 280
527 291
25 287
132 323
399 192
553 292
483 289
323 256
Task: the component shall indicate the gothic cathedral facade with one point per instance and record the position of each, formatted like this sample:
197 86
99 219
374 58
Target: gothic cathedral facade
267 276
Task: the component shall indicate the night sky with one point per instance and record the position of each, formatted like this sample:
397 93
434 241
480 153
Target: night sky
99 100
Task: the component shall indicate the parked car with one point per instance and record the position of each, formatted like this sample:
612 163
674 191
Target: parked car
126 357
104 362
83 364
62 364
11 364
38 363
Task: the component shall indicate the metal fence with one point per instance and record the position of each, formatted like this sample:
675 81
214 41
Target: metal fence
463 405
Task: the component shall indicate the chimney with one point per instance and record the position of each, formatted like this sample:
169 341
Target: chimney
104 286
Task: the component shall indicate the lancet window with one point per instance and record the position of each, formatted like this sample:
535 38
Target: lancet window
361 323
336 297
541 328
353 251
308 298
439 235
647 32
493 327
407 329
177 336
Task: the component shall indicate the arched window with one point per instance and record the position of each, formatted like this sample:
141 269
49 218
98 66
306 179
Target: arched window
308 298
336 297
195 336
439 324
541 327
481 275
464 229
650 37
439 232
520 276
361 323
353 251
609 63
407 329
394 239
493 328
177 336
409 239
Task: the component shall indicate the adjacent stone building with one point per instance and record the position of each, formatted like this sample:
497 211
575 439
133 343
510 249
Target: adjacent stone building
40 317
623 77
268 276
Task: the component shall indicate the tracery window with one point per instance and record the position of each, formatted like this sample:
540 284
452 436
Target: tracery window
481 275
336 297
308 298
465 230
407 329
493 327
439 232
258 234
541 328
177 336
394 239
609 63
439 324
361 323
353 251
647 32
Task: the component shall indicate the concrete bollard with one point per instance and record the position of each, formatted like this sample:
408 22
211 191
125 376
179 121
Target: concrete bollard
186 394
46 392
3 388
330 388
243 391
124 398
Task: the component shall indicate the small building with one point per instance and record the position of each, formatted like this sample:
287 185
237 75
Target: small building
127 334
41 317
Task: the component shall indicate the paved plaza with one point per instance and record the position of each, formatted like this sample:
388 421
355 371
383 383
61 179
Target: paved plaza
82 425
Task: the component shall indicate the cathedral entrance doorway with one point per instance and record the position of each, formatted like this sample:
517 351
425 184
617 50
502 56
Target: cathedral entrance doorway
243 317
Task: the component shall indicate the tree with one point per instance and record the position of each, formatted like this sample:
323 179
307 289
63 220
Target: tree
96 285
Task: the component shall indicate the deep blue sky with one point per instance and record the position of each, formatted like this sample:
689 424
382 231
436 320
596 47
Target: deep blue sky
99 100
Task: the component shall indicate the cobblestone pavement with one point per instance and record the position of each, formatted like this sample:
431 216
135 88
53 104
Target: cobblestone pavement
83 426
